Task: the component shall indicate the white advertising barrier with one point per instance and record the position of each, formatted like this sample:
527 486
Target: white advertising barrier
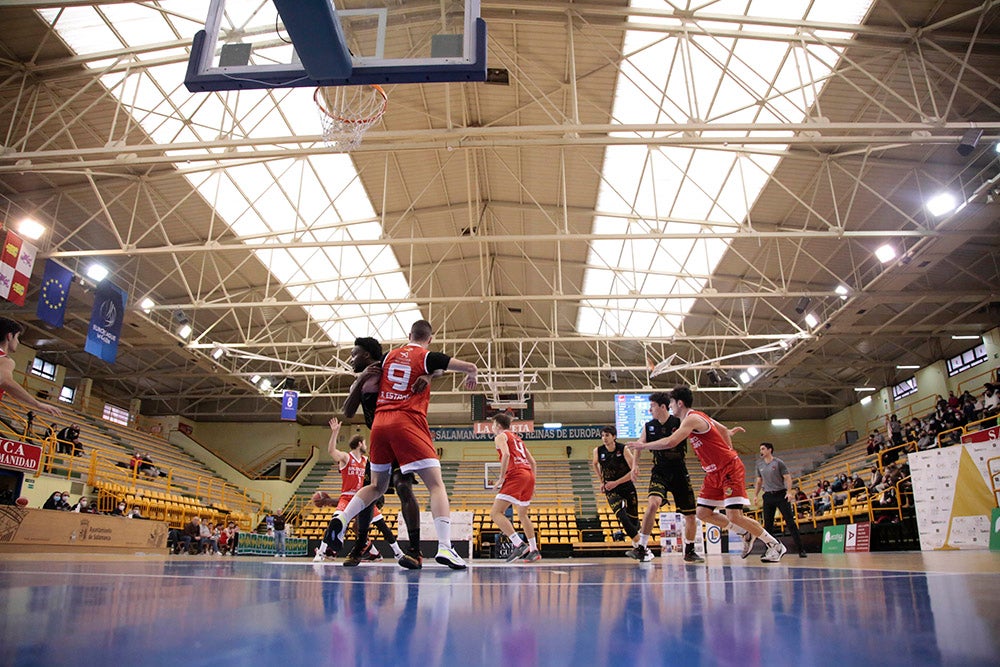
461 527
713 539
953 494
672 534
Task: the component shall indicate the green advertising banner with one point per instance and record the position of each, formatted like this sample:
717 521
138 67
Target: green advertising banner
833 539
995 530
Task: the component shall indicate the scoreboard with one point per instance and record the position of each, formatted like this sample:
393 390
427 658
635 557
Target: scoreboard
631 414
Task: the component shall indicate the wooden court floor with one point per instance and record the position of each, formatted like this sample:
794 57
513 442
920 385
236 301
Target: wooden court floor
872 609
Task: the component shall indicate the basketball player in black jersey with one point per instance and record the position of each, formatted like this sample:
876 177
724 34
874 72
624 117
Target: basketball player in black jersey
669 474
616 468
366 360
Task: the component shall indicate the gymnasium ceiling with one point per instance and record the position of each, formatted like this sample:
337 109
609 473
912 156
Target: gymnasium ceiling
657 189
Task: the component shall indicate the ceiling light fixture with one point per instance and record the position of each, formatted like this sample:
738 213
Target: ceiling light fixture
218 352
185 330
866 400
812 320
753 371
908 367
801 306
864 389
744 377
963 337
942 204
842 291
147 305
254 379
885 253
780 422
30 228
265 384
97 272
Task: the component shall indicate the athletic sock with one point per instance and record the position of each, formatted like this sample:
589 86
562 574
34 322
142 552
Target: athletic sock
767 539
643 540
532 544
442 526
396 551
515 539
352 510
732 526
321 549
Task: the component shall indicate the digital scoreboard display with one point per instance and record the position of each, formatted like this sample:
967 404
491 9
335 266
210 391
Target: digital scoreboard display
631 414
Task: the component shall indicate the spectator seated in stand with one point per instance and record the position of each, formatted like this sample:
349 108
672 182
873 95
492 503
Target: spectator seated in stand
69 441
232 533
84 506
146 466
188 537
209 539
877 482
119 509
53 501
991 400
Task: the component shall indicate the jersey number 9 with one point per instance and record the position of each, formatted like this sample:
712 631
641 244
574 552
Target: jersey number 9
399 376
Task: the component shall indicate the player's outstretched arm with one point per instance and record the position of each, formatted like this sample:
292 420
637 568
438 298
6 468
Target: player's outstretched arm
469 369
338 456
10 385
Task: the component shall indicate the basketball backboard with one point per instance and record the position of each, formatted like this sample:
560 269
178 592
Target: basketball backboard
250 44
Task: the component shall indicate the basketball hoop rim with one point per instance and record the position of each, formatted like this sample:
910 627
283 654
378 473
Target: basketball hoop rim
319 99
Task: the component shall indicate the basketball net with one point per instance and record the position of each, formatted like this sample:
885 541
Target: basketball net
347 112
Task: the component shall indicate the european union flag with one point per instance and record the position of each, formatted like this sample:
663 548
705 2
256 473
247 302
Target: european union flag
55 293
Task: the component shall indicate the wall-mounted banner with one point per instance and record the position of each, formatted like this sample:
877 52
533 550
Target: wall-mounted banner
481 428
17 258
289 404
19 455
106 319
54 293
451 434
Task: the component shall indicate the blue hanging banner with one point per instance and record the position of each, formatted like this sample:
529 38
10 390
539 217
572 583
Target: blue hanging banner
106 319
54 293
289 404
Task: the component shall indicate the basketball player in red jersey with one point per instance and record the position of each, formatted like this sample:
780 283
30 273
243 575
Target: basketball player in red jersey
725 476
10 337
400 434
352 466
515 486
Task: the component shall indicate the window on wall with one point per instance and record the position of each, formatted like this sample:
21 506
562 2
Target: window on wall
43 369
115 414
967 360
904 389
67 394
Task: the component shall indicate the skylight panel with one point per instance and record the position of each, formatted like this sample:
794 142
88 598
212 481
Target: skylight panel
261 201
705 79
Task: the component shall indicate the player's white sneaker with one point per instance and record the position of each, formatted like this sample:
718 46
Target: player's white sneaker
748 541
648 556
447 556
774 553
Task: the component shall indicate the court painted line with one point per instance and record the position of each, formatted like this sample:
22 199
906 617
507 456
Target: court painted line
459 573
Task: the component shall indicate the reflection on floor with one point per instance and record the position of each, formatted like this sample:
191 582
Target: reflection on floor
876 609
